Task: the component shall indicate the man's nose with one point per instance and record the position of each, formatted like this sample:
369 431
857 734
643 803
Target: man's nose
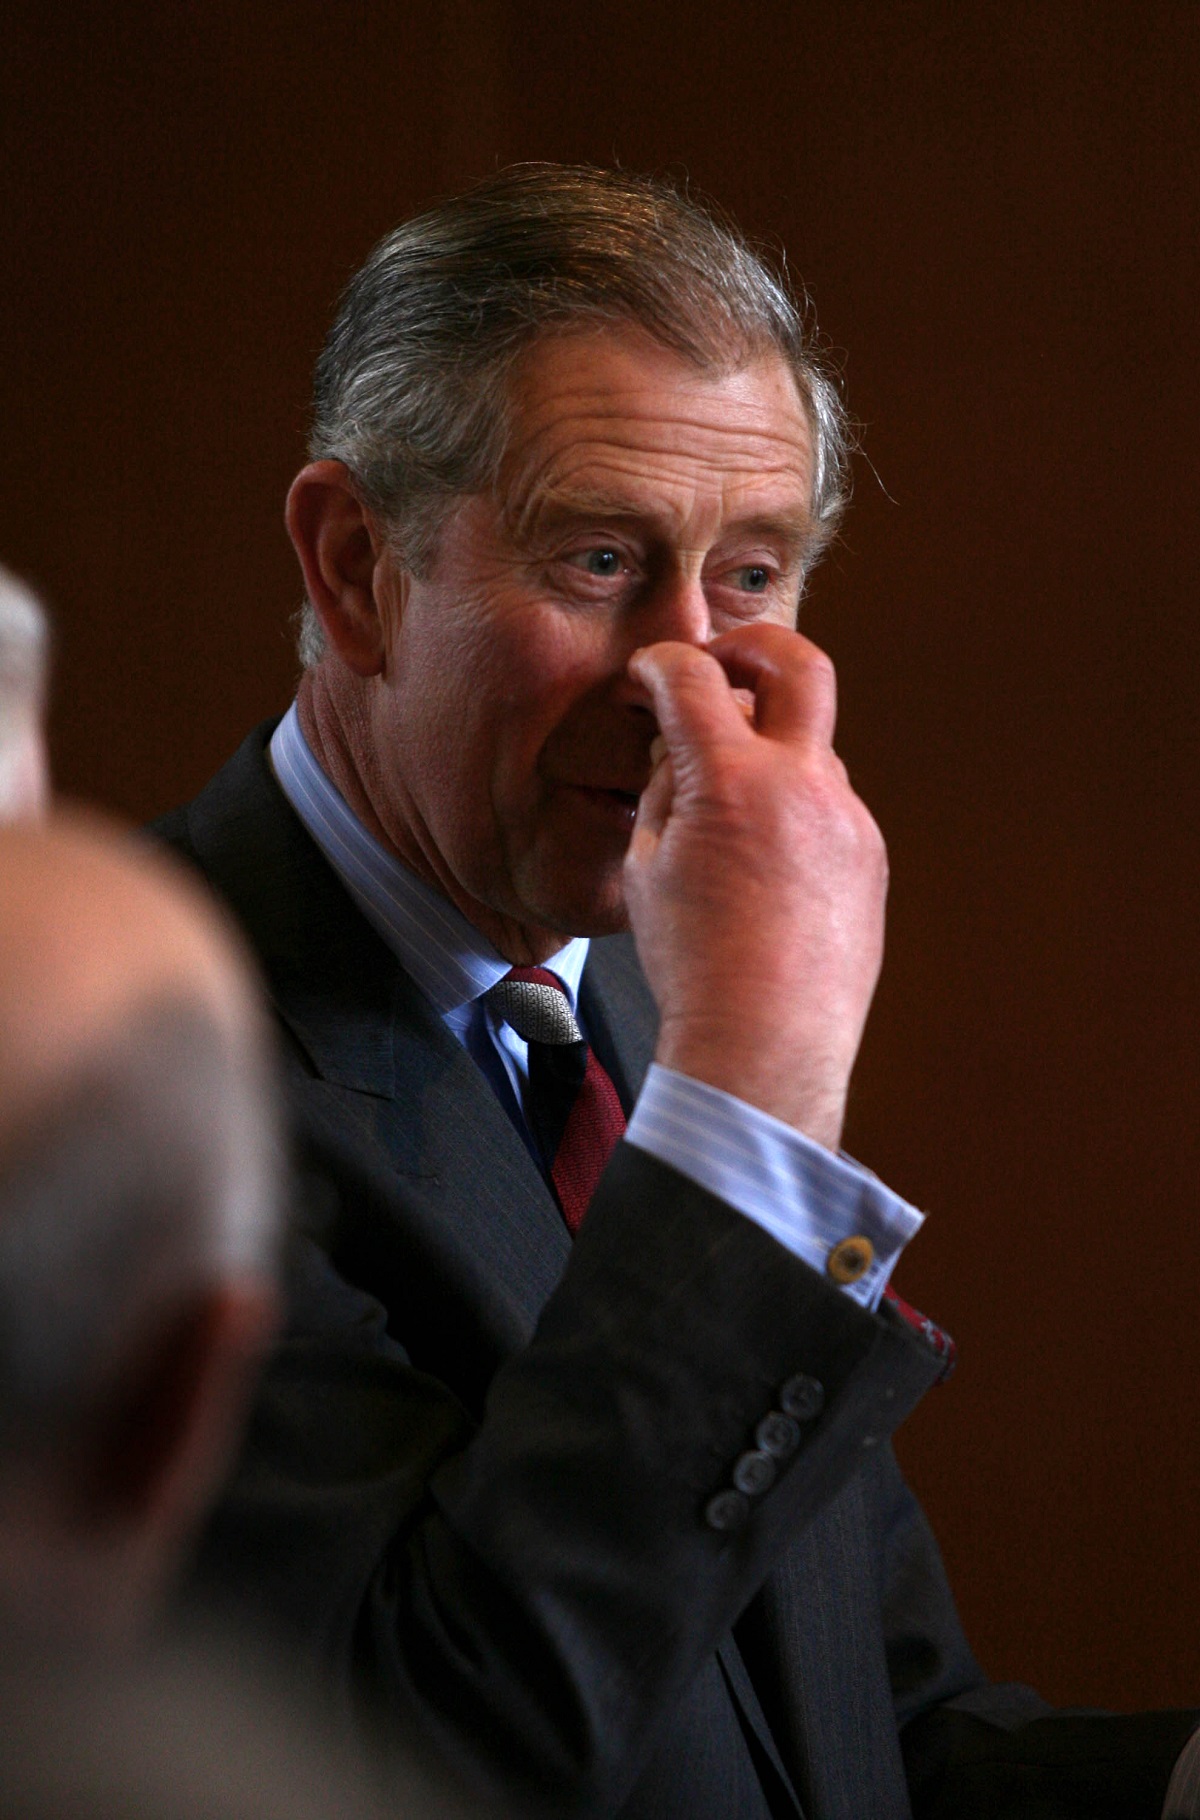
676 607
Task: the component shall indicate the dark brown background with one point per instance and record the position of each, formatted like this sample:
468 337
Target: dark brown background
995 208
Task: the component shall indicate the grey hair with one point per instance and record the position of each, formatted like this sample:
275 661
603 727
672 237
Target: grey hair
156 1170
24 643
24 662
413 385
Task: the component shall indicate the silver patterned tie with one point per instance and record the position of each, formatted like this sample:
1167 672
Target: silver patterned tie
538 1014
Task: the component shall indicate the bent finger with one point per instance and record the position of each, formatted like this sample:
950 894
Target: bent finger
793 681
691 697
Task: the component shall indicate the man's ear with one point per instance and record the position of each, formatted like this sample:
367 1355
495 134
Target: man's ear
158 1446
339 544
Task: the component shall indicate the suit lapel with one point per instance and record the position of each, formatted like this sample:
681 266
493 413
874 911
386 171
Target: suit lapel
463 1150
462 1153
468 1189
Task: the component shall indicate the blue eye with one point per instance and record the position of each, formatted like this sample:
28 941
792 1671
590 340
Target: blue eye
755 579
602 562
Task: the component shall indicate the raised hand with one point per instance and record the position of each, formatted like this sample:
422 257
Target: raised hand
755 879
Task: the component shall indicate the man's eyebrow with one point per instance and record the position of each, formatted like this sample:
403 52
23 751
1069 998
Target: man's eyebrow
566 506
543 512
792 531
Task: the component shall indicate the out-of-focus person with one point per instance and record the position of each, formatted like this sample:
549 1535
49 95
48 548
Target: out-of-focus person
140 1189
138 1220
24 661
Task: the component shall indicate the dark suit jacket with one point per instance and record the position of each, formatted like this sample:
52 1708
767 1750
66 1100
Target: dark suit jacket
474 1490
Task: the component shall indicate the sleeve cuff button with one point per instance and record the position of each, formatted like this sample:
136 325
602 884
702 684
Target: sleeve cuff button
850 1260
778 1435
754 1473
802 1397
728 1510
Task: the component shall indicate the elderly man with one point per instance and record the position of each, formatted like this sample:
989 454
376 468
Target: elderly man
577 1444
24 770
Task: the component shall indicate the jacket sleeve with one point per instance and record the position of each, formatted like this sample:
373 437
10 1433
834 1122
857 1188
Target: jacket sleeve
537 1582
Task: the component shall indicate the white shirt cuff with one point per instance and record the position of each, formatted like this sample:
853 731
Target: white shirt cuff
803 1195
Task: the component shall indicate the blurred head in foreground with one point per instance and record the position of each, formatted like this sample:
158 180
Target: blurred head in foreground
24 642
138 1207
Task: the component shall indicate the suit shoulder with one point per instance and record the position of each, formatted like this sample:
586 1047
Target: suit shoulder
242 782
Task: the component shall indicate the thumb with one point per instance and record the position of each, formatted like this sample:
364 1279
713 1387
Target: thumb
654 804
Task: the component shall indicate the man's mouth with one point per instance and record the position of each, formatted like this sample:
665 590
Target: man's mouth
616 799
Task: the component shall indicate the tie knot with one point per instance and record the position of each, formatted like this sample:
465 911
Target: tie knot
536 1005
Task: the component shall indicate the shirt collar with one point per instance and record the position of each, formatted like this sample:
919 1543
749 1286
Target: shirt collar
446 955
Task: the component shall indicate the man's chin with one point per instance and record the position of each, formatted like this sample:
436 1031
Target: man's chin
577 907
614 922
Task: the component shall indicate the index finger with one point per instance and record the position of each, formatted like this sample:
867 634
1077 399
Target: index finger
794 683
745 701
693 701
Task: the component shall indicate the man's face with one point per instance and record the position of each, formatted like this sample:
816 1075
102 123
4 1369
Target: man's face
640 501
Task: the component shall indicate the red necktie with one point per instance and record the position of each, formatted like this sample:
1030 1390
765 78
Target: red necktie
573 1109
930 1332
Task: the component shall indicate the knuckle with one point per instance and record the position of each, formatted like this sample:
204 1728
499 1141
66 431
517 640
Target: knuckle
831 799
868 838
818 664
879 855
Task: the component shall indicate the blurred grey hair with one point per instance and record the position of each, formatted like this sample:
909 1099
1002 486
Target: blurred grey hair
24 661
156 1171
413 384
24 648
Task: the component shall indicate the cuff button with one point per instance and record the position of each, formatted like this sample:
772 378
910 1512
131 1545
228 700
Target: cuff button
850 1260
802 1397
754 1473
728 1510
778 1435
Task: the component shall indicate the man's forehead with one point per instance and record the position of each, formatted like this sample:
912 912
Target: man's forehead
606 378
597 418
